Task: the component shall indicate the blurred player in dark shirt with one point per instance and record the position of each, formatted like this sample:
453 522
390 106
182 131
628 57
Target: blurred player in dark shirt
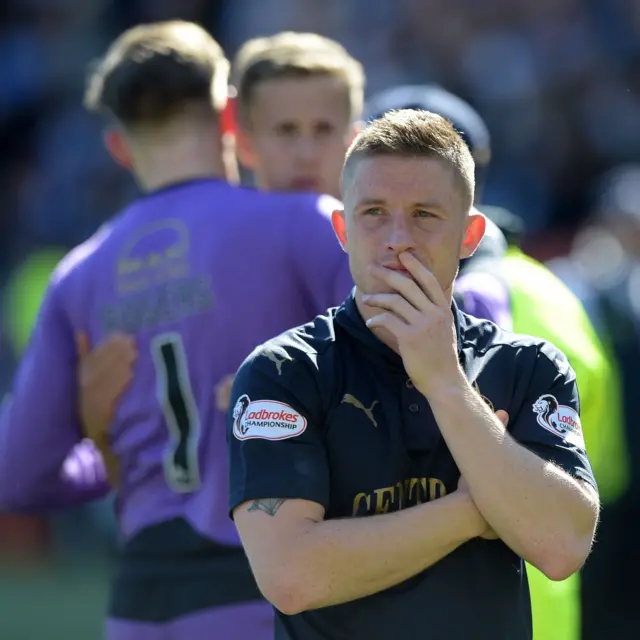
197 273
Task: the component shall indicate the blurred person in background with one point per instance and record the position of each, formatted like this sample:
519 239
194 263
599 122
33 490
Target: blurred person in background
297 106
299 97
500 283
603 269
298 102
164 271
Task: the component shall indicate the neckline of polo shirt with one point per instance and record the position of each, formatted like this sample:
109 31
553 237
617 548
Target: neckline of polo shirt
348 316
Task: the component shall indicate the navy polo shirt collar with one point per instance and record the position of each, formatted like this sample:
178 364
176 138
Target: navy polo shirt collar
349 318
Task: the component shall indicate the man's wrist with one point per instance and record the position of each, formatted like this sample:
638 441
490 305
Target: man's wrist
474 524
452 385
467 521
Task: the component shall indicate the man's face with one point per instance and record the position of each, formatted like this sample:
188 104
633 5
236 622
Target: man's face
396 204
298 134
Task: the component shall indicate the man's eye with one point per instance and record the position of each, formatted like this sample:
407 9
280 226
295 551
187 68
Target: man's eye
324 128
286 129
373 211
421 213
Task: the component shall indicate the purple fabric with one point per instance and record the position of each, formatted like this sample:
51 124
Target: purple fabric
485 296
252 621
201 273
39 426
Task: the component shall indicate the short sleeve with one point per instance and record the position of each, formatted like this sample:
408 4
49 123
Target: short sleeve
549 421
274 439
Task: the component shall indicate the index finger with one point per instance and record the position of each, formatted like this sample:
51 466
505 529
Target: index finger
425 279
406 286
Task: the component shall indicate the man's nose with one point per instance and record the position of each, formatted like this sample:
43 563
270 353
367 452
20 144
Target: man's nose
400 238
306 149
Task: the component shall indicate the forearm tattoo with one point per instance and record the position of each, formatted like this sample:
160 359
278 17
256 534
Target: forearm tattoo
269 506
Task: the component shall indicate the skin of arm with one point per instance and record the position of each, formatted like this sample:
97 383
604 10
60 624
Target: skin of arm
540 511
303 562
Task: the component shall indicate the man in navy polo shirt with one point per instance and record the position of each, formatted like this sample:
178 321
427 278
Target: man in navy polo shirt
376 489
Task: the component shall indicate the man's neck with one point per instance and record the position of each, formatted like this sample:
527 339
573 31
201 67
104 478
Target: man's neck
162 180
189 154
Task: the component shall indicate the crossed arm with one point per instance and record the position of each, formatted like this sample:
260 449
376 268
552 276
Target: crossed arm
538 509
303 562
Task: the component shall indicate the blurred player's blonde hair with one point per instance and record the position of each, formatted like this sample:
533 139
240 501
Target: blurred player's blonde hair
154 72
295 55
411 133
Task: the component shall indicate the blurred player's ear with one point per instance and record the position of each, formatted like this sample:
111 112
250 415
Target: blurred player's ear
228 118
357 127
476 225
340 227
116 145
244 149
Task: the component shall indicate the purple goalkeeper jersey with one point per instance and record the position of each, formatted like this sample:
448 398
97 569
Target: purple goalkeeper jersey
201 273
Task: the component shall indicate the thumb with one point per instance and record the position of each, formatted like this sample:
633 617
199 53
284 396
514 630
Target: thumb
503 416
82 344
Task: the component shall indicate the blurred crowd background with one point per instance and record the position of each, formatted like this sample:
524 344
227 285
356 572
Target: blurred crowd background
557 81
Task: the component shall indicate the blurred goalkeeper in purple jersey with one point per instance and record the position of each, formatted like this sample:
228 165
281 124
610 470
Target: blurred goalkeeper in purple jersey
190 278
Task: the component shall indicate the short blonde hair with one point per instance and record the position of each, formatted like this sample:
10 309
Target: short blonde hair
153 71
296 55
413 133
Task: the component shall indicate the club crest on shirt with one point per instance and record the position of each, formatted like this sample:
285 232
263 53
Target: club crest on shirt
266 419
559 419
238 413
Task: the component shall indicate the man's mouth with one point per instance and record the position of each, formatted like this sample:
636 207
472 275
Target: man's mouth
305 184
399 268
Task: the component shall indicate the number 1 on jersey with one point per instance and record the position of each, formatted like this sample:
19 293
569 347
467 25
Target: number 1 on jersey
179 407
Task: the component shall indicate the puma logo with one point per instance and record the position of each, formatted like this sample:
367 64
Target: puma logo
273 356
349 399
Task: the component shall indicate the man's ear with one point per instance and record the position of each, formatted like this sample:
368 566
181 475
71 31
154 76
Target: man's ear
116 144
356 128
340 227
228 117
476 225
